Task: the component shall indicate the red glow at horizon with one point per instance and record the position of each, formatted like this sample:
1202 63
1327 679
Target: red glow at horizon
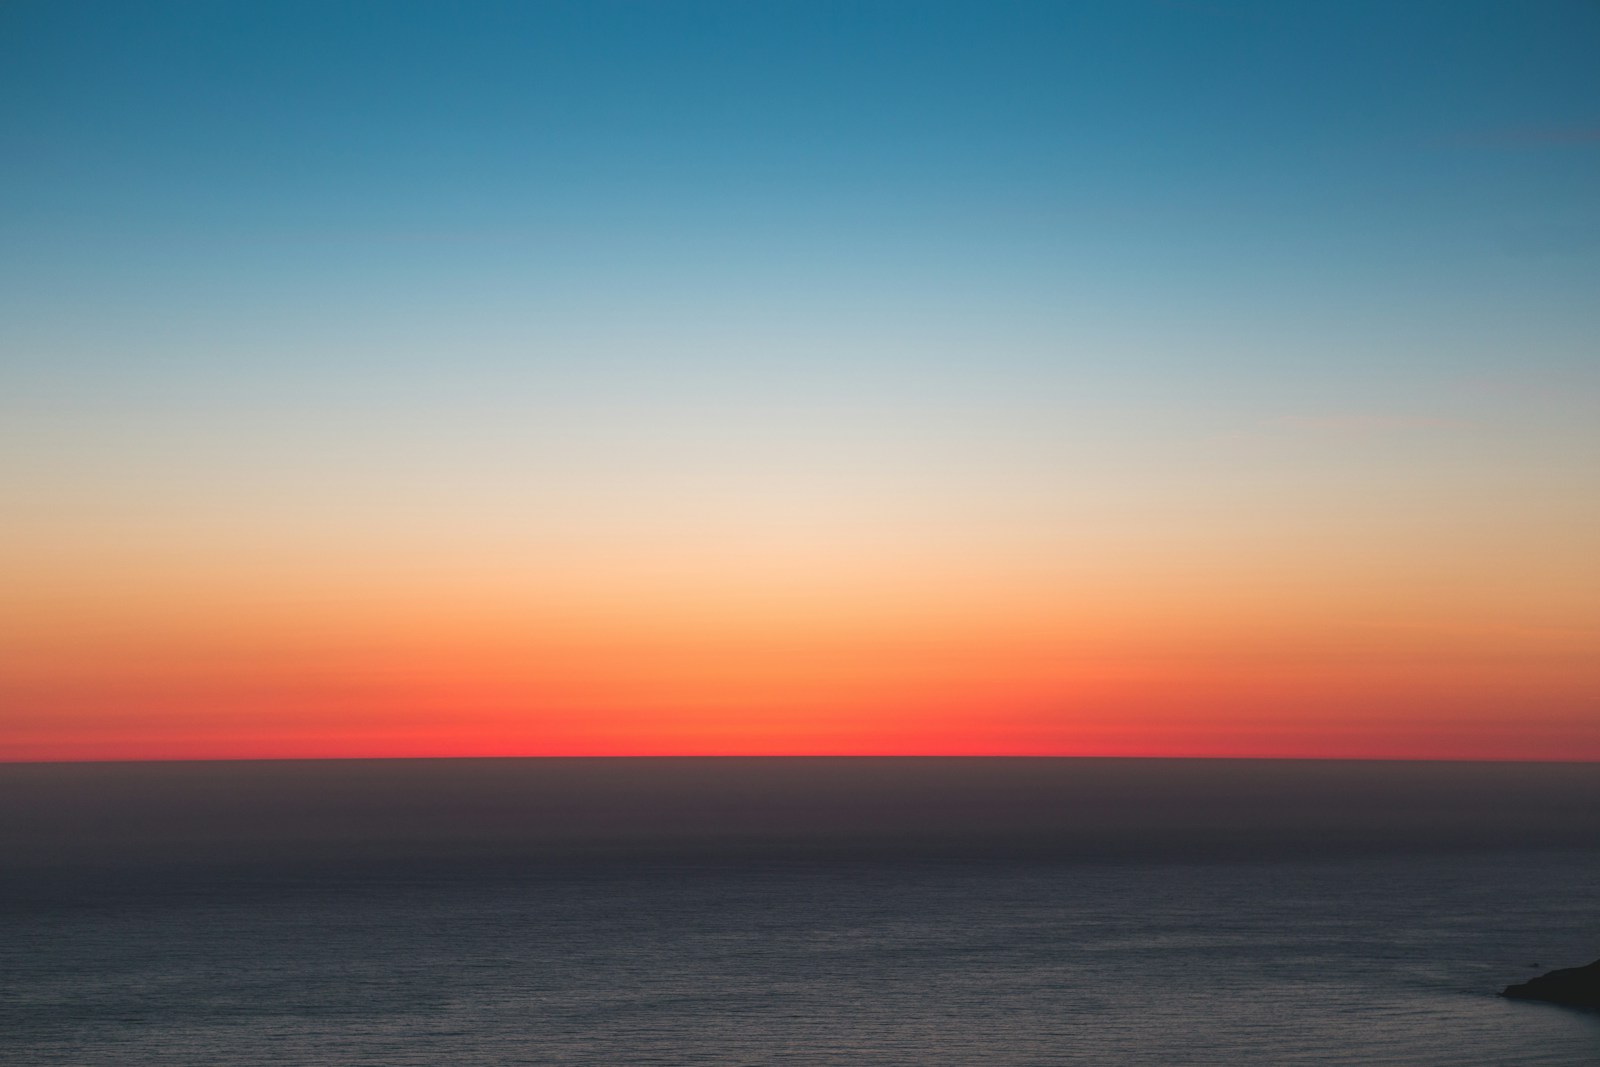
946 663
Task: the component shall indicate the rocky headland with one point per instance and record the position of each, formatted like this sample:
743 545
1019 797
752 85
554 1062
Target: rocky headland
1577 987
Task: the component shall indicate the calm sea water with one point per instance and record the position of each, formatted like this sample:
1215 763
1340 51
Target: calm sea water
732 955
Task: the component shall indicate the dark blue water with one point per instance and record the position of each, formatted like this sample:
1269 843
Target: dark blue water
1034 953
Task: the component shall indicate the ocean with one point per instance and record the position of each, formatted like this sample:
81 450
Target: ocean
740 912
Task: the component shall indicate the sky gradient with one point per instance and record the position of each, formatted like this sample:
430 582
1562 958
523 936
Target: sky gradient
663 378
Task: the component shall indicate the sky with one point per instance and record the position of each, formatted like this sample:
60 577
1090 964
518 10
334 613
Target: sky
1142 378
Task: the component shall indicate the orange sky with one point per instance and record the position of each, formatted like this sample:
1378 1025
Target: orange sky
1185 646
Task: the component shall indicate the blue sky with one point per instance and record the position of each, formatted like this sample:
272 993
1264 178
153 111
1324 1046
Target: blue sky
1336 200
1191 154
1202 216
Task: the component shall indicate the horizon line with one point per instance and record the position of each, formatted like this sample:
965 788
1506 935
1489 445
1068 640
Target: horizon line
724 756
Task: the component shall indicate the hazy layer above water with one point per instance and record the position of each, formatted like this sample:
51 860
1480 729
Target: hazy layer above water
778 808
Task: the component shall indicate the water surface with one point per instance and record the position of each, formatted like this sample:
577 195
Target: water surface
846 912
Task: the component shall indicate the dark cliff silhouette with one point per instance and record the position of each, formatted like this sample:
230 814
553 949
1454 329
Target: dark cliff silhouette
1577 987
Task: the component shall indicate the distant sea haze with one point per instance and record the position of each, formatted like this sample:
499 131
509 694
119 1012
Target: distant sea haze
876 808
